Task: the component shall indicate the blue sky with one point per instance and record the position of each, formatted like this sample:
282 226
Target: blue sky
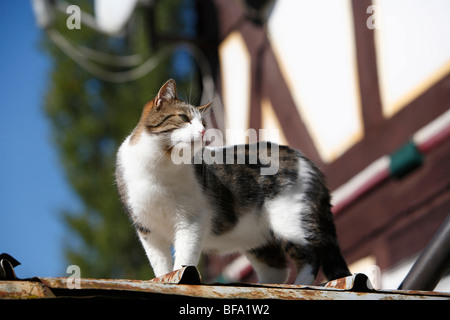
33 188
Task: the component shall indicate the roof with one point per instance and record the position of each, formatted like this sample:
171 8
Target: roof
186 284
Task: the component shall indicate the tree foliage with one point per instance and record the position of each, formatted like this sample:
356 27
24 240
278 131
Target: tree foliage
89 119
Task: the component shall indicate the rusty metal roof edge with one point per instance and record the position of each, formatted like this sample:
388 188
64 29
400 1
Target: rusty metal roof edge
186 282
48 288
240 290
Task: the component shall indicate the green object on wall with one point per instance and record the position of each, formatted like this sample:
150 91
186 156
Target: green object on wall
405 159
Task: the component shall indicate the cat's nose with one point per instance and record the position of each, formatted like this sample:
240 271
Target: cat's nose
202 132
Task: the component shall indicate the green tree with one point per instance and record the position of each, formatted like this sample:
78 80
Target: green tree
90 117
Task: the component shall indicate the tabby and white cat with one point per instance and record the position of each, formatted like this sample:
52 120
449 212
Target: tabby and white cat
223 208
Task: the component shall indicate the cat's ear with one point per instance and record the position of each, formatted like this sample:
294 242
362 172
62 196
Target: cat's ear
204 107
168 92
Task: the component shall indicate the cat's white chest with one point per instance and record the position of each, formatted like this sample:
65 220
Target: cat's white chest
158 190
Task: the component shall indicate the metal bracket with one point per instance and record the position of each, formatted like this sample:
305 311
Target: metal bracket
359 282
7 265
185 275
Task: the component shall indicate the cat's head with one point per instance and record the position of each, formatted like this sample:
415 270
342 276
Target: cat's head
171 120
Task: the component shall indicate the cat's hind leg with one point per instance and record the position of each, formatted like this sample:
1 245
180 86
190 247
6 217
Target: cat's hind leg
270 263
306 262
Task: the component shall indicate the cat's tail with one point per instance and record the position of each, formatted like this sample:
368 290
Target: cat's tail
333 263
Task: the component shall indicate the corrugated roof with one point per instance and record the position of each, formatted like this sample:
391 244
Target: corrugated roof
186 284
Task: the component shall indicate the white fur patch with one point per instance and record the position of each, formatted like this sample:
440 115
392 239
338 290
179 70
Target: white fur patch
285 210
250 232
284 216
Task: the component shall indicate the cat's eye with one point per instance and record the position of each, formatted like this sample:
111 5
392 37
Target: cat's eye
184 118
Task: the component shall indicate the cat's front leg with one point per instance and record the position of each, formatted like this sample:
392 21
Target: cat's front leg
188 245
158 252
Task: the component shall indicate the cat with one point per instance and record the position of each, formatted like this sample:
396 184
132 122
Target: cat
219 207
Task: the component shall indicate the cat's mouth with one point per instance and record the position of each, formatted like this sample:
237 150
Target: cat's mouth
192 139
183 138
